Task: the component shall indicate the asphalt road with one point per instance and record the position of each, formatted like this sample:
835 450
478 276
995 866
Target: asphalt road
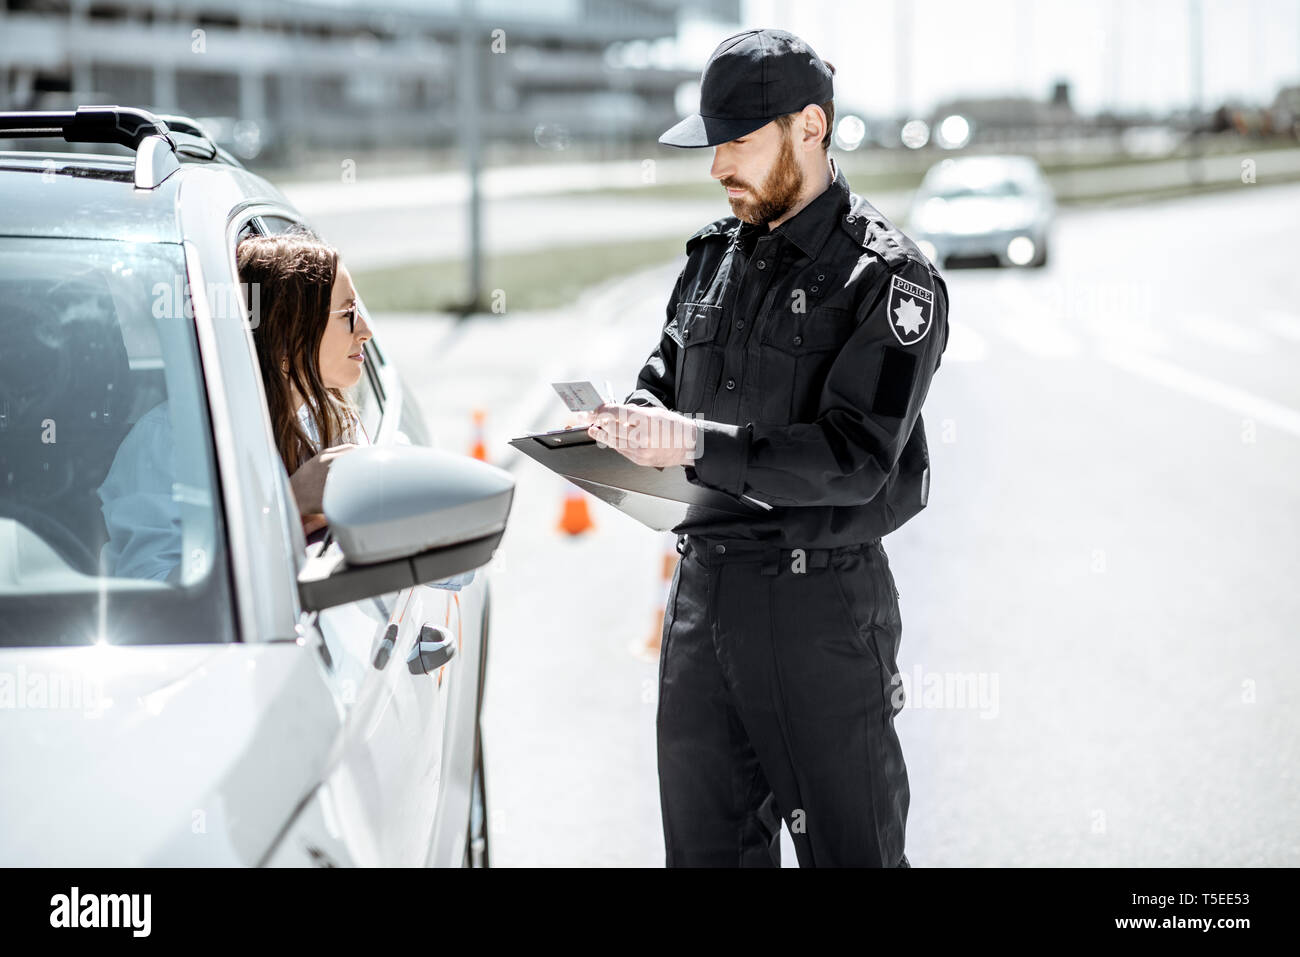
1104 581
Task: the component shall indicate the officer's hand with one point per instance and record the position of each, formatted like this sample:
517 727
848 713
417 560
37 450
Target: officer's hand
585 417
646 435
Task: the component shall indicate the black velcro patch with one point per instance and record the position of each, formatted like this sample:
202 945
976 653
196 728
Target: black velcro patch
894 387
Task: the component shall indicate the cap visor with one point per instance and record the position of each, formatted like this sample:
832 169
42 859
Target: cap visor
697 130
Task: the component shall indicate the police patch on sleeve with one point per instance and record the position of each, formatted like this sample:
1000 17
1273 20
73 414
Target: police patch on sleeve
910 307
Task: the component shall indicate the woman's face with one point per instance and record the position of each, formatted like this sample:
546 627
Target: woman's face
341 356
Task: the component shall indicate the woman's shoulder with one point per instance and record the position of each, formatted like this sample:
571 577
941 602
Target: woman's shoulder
143 458
308 423
353 430
151 434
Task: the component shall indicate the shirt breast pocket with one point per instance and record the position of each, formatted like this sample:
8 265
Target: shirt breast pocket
695 329
798 351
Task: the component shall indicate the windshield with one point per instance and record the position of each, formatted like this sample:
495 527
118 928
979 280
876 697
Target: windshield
997 189
110 522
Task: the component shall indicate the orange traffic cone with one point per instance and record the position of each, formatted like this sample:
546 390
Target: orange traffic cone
479 449
669 565
575 519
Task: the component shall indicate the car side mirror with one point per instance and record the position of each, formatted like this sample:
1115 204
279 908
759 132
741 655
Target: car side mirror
403 516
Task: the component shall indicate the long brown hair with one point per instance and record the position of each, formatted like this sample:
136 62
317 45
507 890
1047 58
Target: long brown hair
291 275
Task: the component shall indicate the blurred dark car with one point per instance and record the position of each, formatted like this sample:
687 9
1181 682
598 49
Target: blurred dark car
983 211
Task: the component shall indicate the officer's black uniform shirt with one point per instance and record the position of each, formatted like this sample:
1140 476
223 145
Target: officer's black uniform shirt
808 350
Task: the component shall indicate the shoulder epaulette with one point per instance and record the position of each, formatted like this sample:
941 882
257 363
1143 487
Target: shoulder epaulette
876 234
719 227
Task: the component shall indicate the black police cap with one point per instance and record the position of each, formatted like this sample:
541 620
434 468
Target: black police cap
752 78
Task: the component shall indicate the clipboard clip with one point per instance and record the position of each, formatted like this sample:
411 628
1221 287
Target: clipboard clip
563 438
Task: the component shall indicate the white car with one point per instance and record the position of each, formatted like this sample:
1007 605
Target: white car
983 210
241 698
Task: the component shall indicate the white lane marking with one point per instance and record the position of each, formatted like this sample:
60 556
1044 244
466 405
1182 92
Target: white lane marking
1031 319
1225 396
1284 324
1229 335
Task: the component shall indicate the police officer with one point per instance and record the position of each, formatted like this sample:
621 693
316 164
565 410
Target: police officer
799 346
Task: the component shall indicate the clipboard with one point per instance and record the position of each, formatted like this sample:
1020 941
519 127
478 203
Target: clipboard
659 498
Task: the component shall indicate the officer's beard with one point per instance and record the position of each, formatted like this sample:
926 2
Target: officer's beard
780 192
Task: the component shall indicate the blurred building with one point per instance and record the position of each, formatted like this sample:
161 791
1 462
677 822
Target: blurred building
275 74
1006 119
1285 111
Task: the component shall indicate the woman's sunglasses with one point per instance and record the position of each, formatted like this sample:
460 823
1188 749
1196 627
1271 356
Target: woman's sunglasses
351 313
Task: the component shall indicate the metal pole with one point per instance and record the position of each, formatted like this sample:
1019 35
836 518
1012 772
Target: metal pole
903 57
1196 68
470 103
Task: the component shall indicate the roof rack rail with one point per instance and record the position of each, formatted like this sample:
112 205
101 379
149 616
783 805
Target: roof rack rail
193 139
158 141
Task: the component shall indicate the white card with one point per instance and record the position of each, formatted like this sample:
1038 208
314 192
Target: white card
578 396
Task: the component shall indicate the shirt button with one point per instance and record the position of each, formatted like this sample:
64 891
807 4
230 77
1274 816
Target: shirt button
820 278
731 383
815 288
686 333
720 549
850 219
761 264
740 323
798 340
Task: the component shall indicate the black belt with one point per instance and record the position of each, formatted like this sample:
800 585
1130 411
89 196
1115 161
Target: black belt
774 558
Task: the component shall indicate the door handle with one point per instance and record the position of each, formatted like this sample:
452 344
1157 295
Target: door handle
435 647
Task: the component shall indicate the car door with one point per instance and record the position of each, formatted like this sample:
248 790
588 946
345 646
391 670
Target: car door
386 781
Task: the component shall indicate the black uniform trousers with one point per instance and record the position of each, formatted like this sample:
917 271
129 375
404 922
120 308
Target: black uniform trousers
777 698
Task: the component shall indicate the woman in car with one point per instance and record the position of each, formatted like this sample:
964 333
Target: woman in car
310 345
310 338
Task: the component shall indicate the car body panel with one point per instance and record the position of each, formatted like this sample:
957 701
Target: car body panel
252 484
63 195
172 754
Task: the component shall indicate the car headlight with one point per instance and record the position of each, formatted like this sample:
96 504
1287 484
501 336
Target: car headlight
1021 250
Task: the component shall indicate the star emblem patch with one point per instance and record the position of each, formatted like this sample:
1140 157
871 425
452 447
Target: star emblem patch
910 307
